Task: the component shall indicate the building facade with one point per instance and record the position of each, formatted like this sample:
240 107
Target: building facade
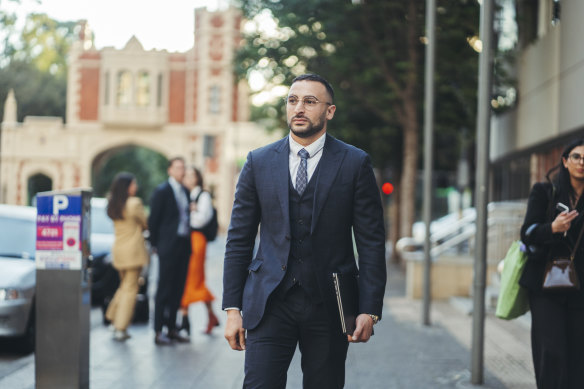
177 104
527 140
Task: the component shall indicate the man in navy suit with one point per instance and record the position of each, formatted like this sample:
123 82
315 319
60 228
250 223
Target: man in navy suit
307 193
169 235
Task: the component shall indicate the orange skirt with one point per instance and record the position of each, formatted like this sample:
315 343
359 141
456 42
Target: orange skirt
195 287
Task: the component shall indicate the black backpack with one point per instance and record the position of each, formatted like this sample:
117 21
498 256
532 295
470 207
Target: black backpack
210 229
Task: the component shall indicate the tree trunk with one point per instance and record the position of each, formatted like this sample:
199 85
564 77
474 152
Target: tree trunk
409 122
409 172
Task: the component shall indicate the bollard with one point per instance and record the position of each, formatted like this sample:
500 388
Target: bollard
62 289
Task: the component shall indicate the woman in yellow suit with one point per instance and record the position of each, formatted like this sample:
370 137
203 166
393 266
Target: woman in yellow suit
129 252
195 288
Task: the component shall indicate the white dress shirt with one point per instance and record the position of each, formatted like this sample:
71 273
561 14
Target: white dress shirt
314 151
204 211
183 206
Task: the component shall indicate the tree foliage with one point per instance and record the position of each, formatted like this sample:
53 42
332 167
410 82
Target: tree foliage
373 55
34 63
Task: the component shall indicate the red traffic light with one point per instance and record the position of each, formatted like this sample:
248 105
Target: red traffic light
387 188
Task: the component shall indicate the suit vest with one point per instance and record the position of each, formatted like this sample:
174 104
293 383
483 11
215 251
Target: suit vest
300 270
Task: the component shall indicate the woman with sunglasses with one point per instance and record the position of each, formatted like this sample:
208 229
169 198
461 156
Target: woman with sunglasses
551 229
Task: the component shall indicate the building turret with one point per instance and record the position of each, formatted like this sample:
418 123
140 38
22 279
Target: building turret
10 109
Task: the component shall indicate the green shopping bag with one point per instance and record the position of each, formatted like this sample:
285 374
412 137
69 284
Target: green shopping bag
513 300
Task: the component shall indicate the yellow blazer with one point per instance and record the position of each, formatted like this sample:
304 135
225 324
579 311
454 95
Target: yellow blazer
129 250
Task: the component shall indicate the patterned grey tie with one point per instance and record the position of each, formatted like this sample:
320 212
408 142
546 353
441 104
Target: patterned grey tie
302 175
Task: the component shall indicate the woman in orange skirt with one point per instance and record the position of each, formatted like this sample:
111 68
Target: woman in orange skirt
195 287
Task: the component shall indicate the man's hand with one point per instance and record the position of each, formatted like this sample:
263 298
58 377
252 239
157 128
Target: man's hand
363 330
234 331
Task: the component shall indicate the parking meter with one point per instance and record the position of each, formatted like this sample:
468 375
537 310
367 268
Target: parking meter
63 299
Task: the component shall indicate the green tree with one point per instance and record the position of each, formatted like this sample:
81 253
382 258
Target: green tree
373 53
34 64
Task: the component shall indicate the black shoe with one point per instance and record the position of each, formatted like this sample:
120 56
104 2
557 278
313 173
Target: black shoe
162 340
185 325
174 335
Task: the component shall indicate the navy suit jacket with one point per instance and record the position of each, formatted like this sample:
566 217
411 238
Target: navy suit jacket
164 218
346 198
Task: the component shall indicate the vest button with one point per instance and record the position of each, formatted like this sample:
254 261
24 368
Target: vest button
300 221
283 267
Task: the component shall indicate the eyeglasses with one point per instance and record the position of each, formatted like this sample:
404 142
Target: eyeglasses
309 102
576 158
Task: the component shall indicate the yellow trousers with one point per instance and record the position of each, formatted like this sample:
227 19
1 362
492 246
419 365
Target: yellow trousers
121 309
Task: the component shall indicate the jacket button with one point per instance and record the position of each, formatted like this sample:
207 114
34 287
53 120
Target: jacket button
287 237
283 267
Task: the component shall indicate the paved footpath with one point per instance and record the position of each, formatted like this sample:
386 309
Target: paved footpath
403 354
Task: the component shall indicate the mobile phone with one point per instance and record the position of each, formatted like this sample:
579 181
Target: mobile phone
562 207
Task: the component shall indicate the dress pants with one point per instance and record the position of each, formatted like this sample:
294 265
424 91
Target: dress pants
557 339
121 309
290 320
172 267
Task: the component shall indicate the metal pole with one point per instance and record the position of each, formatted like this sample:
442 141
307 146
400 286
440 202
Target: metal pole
481 192
428 150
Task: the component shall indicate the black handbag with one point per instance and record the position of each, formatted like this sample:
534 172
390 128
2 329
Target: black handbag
560 273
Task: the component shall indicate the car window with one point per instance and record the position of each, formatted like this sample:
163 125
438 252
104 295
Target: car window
100 221
17 237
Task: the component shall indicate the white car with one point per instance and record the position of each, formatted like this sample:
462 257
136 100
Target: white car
17 274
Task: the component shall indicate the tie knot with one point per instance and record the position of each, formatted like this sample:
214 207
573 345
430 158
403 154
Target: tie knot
303 154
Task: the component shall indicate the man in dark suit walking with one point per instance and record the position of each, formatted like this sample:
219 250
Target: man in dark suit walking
169 235
308 193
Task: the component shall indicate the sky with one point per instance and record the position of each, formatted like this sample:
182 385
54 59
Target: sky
167 24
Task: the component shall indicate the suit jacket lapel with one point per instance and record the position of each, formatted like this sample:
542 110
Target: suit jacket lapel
330 162
280 174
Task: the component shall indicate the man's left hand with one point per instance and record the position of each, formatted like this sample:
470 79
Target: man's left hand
363 330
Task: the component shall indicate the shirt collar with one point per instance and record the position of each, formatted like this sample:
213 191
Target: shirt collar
174 184
313 148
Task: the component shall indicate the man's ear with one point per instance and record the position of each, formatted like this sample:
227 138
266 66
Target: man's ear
330 111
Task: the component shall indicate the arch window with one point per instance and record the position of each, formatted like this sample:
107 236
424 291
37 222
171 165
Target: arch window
124 88
38 183
215 99
143 89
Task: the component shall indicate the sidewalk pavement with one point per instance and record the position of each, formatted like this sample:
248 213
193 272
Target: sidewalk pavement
402 354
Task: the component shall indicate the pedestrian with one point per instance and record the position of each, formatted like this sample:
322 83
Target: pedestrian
195 288
557 317
169 237
128 251
308 193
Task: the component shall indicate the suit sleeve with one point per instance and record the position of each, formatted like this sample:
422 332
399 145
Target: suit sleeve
155 217
536 229
369 232
243 228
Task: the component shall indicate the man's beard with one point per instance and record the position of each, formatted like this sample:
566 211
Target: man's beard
310 130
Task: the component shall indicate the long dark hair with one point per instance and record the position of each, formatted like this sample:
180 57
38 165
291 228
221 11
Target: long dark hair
199 177
118 195
561 179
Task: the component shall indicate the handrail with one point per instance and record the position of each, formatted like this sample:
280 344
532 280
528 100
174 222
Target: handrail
462 230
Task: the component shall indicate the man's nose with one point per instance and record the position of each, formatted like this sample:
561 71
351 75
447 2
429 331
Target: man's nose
299 107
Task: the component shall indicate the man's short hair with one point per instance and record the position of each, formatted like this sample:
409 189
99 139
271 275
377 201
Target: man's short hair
317 78
172 160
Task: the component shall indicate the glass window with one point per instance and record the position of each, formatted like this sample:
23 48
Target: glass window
209 146
215 99
143 91
124 91
18 235
159 91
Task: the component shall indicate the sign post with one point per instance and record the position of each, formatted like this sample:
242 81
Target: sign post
63 299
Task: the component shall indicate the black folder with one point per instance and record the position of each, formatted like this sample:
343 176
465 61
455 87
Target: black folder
347 292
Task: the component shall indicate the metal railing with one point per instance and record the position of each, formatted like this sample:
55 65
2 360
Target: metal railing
456 236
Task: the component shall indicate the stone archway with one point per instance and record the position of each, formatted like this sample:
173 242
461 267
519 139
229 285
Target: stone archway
149 167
